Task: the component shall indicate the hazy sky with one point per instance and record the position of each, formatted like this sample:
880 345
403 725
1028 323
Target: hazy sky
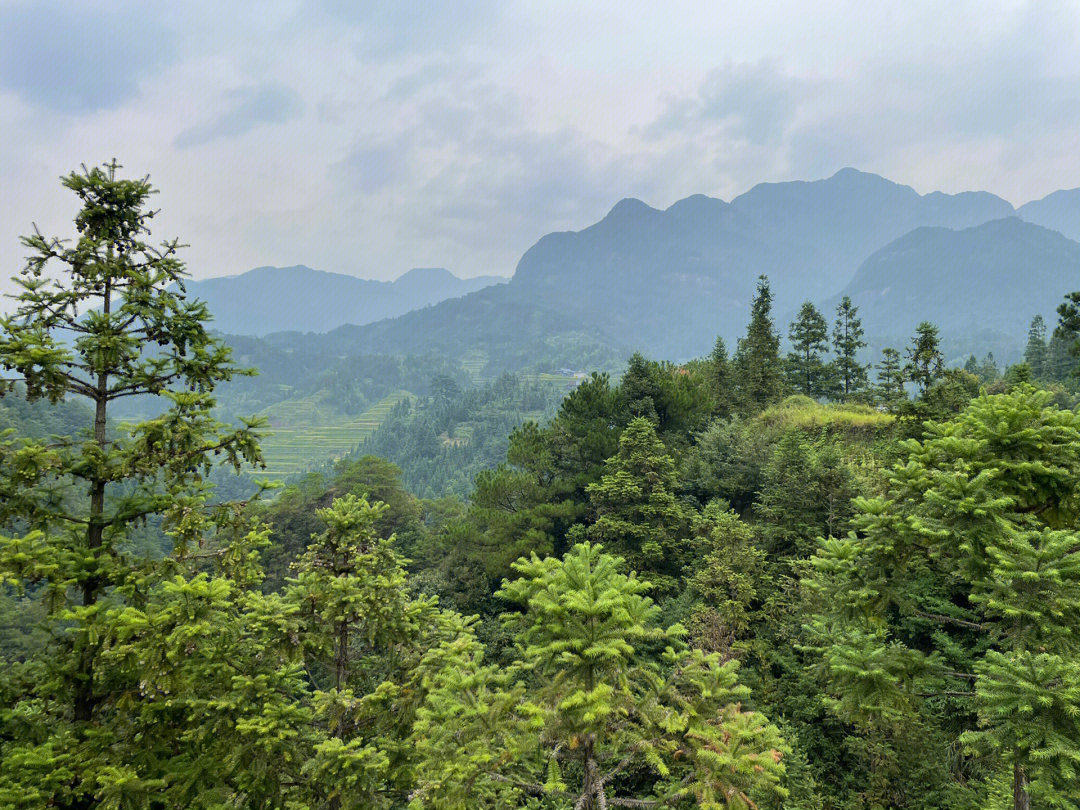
372 137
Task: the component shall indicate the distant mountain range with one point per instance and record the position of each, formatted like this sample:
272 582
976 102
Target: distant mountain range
998 274
279 299
669 281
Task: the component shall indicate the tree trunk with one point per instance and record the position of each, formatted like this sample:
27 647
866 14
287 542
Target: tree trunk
1021 798
95 531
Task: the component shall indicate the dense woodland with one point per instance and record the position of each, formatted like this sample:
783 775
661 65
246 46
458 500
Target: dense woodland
765 578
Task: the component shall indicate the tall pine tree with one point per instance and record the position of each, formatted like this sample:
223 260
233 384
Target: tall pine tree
809 337
757 367
1035 354
925 363
847 341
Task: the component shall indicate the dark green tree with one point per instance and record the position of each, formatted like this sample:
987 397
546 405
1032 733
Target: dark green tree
104 318
807 372
961 587
891 378
757 367
635 508
721 377
848 340
925 363
1035 354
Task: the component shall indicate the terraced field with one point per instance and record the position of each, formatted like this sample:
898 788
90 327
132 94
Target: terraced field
474 363
308 431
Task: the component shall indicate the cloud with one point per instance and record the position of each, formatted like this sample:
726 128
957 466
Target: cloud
751 101
251 107
391 27
80 57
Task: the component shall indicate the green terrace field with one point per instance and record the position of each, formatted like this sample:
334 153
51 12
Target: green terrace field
308 431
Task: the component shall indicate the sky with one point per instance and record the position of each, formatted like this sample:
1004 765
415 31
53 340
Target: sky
372 137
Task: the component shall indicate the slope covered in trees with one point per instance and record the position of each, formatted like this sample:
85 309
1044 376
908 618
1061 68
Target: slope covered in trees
668 281
691 588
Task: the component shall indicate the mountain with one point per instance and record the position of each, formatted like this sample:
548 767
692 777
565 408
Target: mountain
276 299
669 281
1059 212
989 279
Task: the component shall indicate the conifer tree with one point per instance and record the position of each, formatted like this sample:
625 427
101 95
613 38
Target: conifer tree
809 337
636 510
100 319
925 363
890 380
585 717
758 370
847 341
721 377
368 648
1035 354
962 585
988 369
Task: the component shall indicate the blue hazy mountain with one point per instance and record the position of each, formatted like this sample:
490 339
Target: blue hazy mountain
276 299
1059 212
995 277
669 281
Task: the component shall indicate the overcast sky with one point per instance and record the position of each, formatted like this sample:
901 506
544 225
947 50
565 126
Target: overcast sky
372 137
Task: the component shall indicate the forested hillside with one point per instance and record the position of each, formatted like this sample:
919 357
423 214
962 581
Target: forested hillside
668 281
773 576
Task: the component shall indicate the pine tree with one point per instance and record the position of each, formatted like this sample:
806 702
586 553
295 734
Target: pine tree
963 585
758 370
721 377
368 648
636 510
586 717
1035 354
891 378
988 369
102 319
809 340
847 341
925 363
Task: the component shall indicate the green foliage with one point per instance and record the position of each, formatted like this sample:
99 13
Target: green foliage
924 359
586 716
807 372
967 574
758 371
635 509
848 340
891 378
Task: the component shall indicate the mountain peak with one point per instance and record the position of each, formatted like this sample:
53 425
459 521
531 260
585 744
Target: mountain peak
629 208
426 274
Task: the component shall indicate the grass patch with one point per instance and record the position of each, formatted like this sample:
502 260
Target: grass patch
803 412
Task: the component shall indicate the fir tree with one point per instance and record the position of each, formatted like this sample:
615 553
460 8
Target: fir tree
847 341
102 319
636 510
891 378
721 377
1035 354
585 717
963 585
925 363
809 340
758 370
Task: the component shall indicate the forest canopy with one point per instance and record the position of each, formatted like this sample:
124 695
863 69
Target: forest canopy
773 577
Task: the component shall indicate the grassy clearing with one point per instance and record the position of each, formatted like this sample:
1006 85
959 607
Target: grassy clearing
305 432
803 412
